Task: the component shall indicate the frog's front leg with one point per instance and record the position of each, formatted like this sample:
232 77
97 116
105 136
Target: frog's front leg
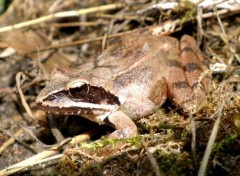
123 124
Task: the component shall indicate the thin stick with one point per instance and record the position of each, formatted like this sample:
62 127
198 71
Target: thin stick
193 143
165 29
75 24
152 160
77 42
211 141
24 102
44 156
125 17
23 164
72 13
10 141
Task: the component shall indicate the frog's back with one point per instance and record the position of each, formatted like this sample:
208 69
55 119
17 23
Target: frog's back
125 55
138 68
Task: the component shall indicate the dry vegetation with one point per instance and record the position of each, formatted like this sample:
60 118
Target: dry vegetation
66 34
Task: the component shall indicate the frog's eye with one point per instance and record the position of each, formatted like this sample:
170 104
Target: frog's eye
78 89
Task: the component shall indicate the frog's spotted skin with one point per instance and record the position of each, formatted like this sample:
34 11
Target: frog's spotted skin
131 79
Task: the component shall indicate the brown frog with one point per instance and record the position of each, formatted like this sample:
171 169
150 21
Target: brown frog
131 79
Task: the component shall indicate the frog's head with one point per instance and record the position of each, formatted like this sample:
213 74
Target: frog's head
75 96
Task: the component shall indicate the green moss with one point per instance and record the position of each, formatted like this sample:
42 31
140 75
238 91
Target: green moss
218 147
176 164
134 141
67 166
186 11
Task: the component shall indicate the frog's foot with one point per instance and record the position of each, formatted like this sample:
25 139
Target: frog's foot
123 124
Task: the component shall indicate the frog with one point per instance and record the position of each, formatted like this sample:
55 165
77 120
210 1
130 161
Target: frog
129 80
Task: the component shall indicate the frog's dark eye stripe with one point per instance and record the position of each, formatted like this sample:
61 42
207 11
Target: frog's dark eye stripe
174 63
191 67
180 85
86 94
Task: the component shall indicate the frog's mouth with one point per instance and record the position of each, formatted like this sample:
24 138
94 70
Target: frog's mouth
78 109
79 101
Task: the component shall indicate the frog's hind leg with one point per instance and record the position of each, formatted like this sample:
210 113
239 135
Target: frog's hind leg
180 91
195 68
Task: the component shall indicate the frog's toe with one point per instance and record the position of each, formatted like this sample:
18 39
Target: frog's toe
125 133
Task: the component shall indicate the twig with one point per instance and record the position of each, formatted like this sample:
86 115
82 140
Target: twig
62 15
211 141
224 7
222 12
160 5
164 29
28 162
24 103
10 141
55 131
73 24
152 160
193 143
77 42
30 132
6 91
125 17
38 161
199 22
44 156
225 38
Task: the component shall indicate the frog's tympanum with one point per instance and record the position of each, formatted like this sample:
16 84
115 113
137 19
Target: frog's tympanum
132 78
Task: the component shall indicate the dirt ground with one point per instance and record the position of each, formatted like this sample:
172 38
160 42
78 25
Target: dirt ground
65 34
